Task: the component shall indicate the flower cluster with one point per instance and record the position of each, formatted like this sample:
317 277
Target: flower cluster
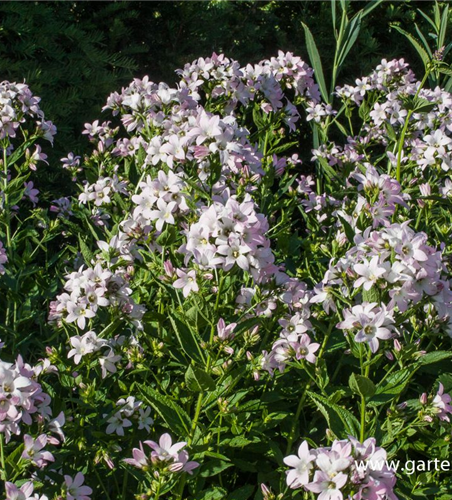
159 201
17 105
265 83
102 190
164 457
89 343
437 407
398 265
129 409
347 469
22 399
229 234
90 289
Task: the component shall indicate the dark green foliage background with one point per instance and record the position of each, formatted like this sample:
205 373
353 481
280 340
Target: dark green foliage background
73 54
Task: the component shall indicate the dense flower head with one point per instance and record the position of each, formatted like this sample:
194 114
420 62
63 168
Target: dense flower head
230 234
346 469
265 83
17 105
89 289
22 399
400 266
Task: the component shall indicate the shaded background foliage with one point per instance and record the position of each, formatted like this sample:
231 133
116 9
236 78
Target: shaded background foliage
73 54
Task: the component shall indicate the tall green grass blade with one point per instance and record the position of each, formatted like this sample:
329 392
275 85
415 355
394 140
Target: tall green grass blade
370 7
443 27
350 36
314 57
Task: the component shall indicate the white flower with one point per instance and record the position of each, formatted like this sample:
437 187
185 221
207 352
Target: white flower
186 281
302 464
369 272
117 423
164 214
79 312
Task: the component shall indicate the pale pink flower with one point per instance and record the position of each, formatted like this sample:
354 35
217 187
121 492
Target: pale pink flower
186 281
302 464
225 332
441 404
328 487
75 488
33 450
370 272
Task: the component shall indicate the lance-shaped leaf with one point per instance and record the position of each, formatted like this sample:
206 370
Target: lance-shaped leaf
314 57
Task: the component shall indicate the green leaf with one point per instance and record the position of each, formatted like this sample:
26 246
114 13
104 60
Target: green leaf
12 462
17 154
361 385
427 19
424 41
88 256
364 111
434 357
214 493
258 118
171 412
443 27
239 442
348 229
350 36
349 421
422 53
393 386
242 493
314 57
423 106
168 236
391 132
372 295
187 339
448 86
444 70
198 380
280 149
214 467
370 7
327 168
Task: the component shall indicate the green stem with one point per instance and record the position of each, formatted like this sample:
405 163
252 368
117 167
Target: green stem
364 371
194 424
102 484
305 393
363 419
157 493
7 223
196 418
405 128
296 417
2 457
124 484
7 211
